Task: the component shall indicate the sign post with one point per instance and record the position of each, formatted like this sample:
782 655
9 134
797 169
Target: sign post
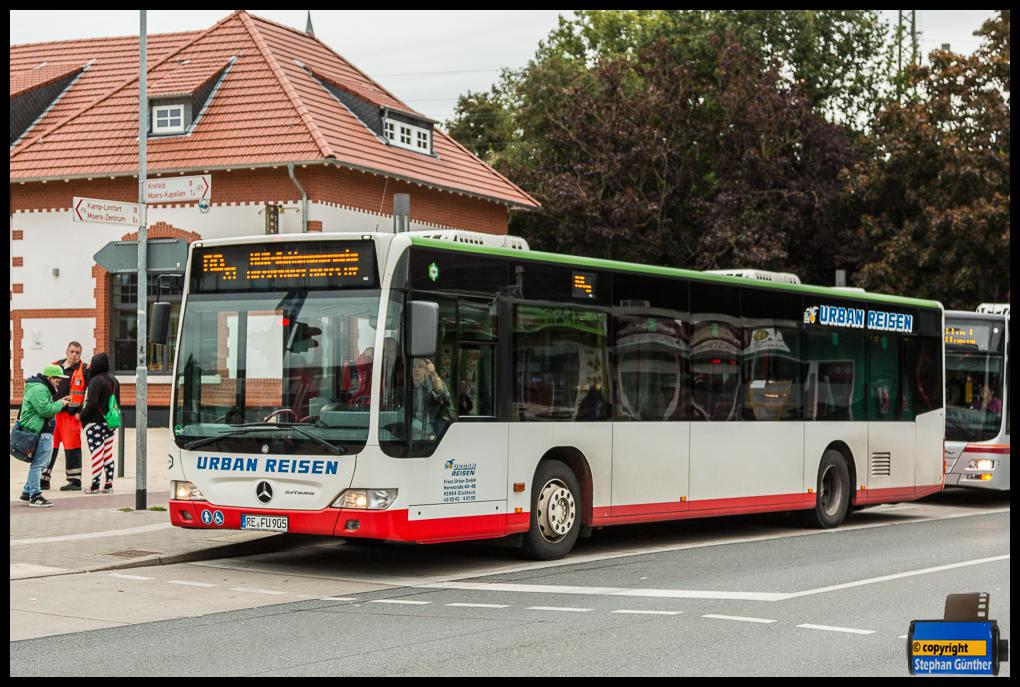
178 189
99 211
141 372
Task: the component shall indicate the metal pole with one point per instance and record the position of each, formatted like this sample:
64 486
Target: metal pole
913 37
141 372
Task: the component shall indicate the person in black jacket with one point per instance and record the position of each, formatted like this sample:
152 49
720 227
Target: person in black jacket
101 387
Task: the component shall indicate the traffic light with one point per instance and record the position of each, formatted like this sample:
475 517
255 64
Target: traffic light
301 336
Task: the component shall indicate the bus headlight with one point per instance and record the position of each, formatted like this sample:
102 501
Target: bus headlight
186 491
983 464
366 499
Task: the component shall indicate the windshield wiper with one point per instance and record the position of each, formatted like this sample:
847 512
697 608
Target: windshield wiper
259 426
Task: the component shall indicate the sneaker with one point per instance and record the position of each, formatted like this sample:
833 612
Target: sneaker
24 496
73 485
94 489
108 489
39 501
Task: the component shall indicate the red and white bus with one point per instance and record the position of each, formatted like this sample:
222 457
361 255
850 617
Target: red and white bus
443 386
977 397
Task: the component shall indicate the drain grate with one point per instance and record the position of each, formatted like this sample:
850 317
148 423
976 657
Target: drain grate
133 553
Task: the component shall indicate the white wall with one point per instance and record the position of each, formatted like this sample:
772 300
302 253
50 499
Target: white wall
45 340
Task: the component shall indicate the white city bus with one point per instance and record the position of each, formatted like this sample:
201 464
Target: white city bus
977 397
443 386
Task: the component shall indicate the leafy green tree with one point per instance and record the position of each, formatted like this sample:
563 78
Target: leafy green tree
934 198
482 125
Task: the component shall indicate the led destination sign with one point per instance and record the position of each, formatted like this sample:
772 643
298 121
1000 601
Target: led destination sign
271 267
583 285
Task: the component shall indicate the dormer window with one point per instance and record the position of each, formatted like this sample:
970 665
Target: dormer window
404 135
168 119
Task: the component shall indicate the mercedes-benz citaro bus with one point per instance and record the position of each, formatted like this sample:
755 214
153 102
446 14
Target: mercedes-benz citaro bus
977 397
443 386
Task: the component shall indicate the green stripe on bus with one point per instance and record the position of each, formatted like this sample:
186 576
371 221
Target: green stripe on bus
600 263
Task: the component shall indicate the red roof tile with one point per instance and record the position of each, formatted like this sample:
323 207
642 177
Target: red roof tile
43 74
268 109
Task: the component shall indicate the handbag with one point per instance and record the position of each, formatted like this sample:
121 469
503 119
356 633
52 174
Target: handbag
112 416
23 443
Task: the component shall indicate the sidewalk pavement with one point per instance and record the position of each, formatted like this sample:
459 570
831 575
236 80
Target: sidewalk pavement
103 532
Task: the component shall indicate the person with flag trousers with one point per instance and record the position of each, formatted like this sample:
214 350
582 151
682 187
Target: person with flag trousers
68 431
38 408
97 415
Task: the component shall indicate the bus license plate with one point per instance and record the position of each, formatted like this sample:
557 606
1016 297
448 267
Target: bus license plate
266 523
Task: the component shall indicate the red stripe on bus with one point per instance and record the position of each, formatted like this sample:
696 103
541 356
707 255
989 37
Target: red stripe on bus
395 525
637 513
896 494
392 525
978 448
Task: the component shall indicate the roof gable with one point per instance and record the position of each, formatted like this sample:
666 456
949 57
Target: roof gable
267 109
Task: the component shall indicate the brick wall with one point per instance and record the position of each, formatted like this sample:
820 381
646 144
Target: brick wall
343 187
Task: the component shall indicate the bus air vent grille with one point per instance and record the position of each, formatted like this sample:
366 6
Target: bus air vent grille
881 464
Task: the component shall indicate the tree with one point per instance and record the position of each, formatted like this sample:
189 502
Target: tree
934 199
481 124
651 160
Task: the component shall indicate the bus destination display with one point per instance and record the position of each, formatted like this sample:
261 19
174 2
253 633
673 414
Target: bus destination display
983 336
583 284
270 267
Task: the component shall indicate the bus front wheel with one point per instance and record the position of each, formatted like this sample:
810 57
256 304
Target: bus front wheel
833 493
555 512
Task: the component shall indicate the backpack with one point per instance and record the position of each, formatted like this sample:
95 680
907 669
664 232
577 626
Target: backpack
112 417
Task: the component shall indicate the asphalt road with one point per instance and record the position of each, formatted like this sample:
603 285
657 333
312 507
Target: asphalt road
734 596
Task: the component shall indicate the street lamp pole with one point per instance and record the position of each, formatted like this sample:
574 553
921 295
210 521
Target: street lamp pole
141 371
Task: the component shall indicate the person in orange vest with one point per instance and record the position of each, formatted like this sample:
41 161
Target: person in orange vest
68 431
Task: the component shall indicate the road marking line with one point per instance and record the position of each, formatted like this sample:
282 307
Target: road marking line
828 628
256 591
738 617
896 576
399 601
479 605
605 591
336 598
131 577
488 571
91 535
564 609
650 612
205 585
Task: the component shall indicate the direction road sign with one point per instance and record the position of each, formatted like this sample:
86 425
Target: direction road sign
105 211
178 189
121 257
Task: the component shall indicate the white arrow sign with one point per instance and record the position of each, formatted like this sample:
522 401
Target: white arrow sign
105 211
178 189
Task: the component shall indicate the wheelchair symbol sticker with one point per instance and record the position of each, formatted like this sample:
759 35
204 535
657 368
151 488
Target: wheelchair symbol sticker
218 518
207 517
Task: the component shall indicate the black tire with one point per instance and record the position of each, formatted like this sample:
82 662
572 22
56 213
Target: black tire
553 531
833 493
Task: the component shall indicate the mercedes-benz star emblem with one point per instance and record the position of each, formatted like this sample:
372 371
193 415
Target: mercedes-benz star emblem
264 492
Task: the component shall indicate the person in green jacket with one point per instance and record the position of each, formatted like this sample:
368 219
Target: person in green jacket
37 412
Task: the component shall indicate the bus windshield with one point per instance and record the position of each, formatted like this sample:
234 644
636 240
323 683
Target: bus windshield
973 395
298 359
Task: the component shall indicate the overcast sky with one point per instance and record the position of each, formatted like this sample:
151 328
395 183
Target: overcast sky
426 58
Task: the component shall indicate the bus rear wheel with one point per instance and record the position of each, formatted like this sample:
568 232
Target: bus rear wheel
833 493
555 513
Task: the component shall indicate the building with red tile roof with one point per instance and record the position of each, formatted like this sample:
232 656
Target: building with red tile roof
278 119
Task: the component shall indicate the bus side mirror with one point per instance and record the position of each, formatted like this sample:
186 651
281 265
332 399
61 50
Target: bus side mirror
159 324
159 331
423 325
